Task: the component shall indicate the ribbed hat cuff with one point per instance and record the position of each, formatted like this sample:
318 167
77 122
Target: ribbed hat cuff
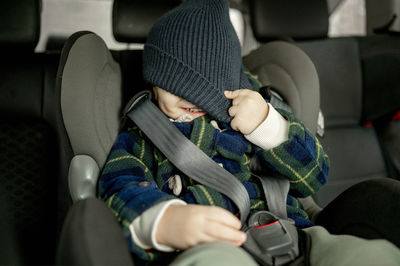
171 74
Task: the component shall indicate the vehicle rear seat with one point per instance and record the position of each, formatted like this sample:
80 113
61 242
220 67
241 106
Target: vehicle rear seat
358 80
33 151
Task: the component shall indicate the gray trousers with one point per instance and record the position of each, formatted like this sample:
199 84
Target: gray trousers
326 249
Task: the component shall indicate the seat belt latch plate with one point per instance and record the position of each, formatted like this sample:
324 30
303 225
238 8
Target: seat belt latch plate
271 241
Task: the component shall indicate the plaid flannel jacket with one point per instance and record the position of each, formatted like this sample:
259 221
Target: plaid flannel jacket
134 160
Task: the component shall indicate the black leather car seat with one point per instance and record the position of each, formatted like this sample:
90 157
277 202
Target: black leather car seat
33 193
358 81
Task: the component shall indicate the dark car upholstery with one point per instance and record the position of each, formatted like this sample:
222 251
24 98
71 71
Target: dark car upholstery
33 195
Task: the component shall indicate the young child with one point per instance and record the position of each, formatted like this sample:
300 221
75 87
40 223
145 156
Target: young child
193 60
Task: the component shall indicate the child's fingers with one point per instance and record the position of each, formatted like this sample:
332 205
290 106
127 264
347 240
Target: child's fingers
221 232
235 93
229 94
217 214
235 124
237 100
233 110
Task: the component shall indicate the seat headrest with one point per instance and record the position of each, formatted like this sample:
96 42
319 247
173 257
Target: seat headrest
19 24
133 19
296 19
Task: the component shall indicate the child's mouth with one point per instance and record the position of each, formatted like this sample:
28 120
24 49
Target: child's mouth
194 110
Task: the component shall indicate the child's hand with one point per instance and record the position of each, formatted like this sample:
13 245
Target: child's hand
185 226
248 110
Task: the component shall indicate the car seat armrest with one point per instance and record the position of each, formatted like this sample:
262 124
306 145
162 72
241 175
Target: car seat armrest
82 177
91 235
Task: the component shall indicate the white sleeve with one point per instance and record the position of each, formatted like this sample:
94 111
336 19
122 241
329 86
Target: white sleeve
272 132
143 228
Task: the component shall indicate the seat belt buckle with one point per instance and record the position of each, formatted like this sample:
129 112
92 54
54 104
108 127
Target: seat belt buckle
270 240
273 237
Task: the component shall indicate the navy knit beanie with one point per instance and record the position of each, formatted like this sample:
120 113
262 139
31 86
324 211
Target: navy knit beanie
193 52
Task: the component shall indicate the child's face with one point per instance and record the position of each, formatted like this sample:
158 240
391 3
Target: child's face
174 106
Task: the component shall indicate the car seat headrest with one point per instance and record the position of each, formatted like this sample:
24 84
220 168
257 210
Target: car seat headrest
19 24
289 70
133 19
296 19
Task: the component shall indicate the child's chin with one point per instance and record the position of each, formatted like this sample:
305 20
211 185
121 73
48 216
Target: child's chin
189 116
198 114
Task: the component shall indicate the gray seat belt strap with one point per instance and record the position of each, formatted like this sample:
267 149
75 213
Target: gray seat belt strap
275 99
277 102
276 191
184 154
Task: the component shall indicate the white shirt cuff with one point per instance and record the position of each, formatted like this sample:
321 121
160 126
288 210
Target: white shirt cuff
143 228
272 132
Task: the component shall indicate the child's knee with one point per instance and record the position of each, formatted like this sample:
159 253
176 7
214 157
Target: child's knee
214 253
328 249
385 252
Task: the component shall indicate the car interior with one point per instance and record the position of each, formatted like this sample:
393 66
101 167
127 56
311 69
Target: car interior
61 111
349 71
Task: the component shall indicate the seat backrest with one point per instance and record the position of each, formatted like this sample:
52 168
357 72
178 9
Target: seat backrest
347 68
32 193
